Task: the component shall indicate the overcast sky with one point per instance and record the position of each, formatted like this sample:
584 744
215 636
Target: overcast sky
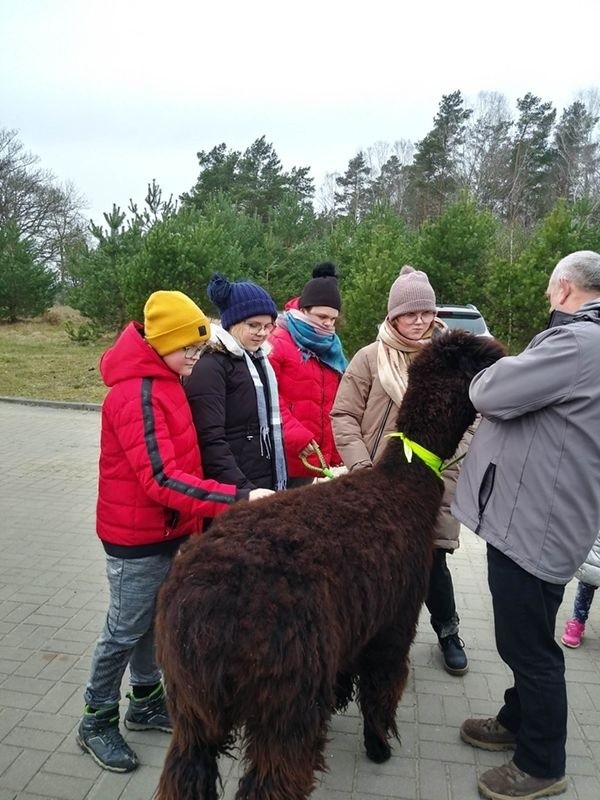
112 94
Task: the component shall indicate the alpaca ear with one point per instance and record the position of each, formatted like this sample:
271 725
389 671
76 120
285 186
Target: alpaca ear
465 352
480 354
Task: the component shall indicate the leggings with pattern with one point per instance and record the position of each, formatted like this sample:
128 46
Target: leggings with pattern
583 601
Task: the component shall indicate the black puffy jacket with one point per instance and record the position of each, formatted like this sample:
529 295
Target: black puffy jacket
222 397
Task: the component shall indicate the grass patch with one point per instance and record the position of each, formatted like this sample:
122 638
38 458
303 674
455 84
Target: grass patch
38 360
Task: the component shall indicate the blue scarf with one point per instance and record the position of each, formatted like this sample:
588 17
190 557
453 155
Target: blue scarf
326 347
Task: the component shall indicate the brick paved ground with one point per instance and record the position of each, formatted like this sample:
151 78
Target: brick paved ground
52 603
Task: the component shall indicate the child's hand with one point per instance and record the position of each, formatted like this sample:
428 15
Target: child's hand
257 494
306 451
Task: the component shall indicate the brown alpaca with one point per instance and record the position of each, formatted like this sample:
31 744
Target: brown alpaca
288 606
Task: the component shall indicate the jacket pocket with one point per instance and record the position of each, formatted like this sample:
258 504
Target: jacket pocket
486 488
171 520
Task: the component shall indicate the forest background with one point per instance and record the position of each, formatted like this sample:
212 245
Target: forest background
486 203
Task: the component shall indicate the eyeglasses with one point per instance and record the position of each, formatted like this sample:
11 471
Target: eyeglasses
413 316
256 327
192 351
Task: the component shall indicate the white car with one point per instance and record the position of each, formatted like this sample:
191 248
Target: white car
466 317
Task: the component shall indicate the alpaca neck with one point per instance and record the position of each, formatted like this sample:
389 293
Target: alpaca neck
438 432
434 462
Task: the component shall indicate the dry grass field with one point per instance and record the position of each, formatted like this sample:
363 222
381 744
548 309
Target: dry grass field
38 360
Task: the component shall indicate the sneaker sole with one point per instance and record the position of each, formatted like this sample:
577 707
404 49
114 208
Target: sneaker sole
458 672
572 646
140 726
100 763
486 745
556 788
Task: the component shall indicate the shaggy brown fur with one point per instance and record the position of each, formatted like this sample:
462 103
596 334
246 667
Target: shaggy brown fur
286 606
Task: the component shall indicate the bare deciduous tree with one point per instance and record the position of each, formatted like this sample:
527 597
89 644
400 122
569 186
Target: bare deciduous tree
44 212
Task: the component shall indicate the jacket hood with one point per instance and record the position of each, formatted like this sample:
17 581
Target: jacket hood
132 357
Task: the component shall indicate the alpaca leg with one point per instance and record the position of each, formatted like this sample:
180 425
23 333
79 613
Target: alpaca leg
383 671
344 690
190 768
282 759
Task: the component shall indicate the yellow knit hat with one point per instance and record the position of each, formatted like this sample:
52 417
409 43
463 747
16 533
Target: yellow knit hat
172 320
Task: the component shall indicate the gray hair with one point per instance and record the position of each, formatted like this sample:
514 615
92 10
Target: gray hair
582 268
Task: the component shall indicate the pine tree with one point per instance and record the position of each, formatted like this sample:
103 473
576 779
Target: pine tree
27 287
529 198
354 197
254 181
433 174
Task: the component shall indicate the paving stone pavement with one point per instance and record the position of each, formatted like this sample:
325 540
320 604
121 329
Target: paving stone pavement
52 605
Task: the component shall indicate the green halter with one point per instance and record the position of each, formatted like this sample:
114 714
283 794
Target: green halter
435 463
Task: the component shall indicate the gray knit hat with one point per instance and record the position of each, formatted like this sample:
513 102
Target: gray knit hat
411 291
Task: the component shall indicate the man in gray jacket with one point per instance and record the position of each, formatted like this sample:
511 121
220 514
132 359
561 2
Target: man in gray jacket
530 486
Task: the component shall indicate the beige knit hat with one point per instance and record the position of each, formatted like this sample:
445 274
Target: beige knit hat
411 291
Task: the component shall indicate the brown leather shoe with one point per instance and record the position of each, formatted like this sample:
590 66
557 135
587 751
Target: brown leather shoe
487 734
508 781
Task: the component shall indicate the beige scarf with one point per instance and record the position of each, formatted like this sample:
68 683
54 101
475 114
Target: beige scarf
394 353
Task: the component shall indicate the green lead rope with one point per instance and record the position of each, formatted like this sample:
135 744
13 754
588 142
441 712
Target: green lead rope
324 469
435 463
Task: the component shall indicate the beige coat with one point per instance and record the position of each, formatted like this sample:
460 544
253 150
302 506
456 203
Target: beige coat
361 416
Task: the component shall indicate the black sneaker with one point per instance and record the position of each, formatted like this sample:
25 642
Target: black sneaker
148 713
98 734
453 653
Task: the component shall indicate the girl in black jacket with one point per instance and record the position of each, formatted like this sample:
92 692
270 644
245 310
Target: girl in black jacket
232 391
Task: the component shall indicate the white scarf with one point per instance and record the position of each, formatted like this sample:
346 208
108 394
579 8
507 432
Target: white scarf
394 353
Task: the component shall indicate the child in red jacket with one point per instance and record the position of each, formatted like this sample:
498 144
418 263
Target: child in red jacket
151 497
308 360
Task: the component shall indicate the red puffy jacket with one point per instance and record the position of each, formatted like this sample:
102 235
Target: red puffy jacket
150 488
307 389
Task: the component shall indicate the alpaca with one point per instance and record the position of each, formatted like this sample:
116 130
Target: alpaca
289 606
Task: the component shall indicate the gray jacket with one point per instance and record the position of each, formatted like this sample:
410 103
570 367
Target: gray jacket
530 484
589 571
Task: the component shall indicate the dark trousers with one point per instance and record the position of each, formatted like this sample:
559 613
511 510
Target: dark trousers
440 596
297 483
583 601
535 708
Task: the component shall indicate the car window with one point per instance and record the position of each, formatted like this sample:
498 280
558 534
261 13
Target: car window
468 322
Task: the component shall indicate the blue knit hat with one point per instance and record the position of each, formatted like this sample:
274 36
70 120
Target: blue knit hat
239 301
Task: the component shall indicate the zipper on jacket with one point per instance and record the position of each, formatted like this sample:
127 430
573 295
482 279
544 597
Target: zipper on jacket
485 492
381 428
172 520
322 442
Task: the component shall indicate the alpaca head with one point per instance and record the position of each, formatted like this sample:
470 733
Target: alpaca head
436 410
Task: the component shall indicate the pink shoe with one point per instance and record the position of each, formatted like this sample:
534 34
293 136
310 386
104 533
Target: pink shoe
574 630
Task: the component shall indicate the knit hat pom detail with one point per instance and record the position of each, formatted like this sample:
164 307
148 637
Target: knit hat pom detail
219 289
239 300
326 269
322 289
